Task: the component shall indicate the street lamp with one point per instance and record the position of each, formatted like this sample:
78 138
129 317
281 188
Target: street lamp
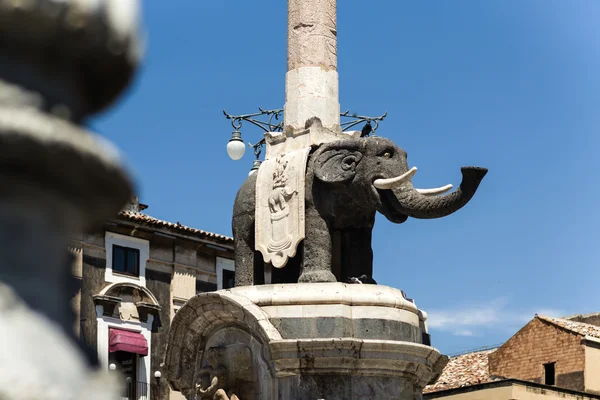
236 147
255 167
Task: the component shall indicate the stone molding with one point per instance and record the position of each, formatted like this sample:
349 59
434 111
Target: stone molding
356 357
327 293
341 311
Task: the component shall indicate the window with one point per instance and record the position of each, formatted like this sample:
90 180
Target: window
126 260
129 256
549 374
225 273
228 279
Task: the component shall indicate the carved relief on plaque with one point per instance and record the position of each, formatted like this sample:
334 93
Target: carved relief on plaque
280 206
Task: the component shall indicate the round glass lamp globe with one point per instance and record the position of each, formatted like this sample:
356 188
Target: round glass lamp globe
157 374
236 149
112 367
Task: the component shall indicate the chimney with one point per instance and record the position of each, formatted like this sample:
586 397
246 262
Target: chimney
134 205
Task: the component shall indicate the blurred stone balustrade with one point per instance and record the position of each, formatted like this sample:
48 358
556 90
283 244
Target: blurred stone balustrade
60 61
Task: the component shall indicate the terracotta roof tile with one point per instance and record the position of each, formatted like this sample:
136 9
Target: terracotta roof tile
463 370
177 227
579 328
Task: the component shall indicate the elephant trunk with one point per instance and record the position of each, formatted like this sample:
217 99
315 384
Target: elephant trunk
411 202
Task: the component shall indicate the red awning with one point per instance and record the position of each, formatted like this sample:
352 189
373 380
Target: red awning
131 342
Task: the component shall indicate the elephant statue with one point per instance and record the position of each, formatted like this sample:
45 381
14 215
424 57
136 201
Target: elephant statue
347 182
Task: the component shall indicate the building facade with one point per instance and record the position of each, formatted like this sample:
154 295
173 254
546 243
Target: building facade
548 357
552 351
131 277
510 389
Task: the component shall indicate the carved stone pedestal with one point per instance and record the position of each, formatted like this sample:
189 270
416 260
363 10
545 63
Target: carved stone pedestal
302 341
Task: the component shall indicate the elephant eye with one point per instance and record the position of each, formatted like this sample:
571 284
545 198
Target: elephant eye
387 153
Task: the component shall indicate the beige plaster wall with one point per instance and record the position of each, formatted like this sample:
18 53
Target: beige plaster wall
184 283
522 392
514 392
592 370
499 393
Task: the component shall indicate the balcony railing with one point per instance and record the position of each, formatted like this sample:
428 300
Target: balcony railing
136 391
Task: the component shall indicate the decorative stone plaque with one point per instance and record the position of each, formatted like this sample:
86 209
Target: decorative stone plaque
280 206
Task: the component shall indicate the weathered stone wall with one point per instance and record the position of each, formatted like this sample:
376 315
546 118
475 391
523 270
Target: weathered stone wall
159 283
92 281
523 356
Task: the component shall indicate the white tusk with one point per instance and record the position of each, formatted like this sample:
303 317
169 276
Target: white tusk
394 182
434 191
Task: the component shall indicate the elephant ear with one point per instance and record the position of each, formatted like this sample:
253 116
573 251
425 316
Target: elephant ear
337 165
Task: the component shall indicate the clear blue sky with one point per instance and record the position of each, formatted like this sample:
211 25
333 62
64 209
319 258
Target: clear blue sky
511 85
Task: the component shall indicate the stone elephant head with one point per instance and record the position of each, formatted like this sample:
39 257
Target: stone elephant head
372 173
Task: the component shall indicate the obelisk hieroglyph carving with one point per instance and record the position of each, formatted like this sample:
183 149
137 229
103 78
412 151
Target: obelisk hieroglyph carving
312 78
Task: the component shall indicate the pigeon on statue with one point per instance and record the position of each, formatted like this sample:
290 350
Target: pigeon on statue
362 279
366 130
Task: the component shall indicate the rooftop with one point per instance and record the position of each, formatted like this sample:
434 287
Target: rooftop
148 220
463 370
579 328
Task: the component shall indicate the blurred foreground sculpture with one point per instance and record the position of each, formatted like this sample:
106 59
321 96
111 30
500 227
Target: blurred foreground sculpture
60 61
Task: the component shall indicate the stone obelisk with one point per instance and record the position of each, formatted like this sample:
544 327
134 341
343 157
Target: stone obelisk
311 117
312 78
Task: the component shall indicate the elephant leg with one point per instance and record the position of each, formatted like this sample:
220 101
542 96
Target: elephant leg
268 274
316 266
247 260
243 233
356 252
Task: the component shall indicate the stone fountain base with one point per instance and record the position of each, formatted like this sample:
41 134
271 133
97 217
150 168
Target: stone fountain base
302 341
